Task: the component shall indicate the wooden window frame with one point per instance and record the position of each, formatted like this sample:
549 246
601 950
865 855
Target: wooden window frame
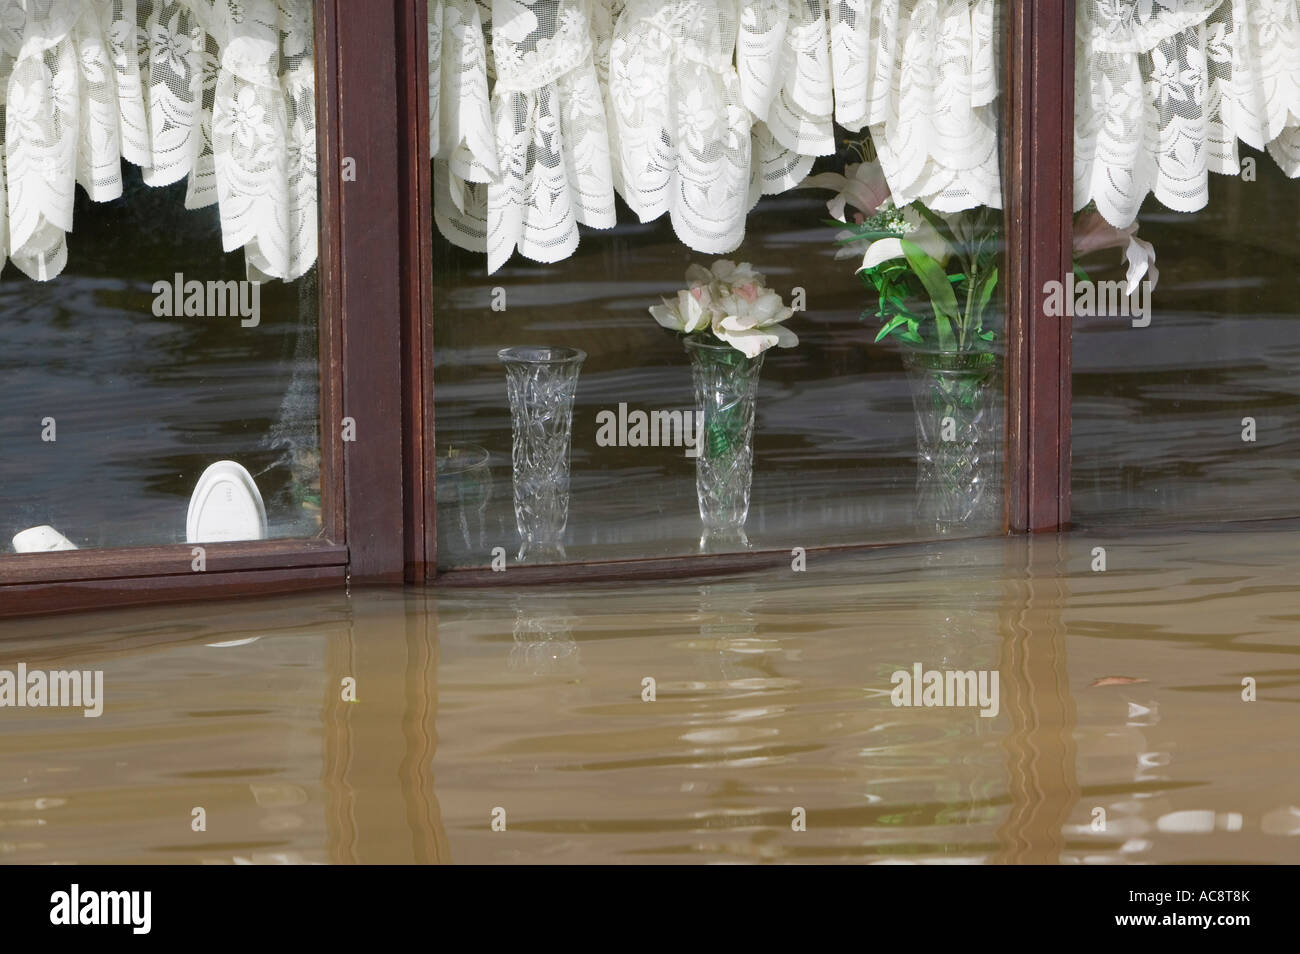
377 339
360 346
1038 124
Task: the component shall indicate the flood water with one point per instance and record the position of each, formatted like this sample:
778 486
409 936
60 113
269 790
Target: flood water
1121 734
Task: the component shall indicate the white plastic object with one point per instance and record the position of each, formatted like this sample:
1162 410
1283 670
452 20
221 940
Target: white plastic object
226 506
41 539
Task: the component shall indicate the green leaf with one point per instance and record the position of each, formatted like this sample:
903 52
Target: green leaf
893 323
990 283
942 298
889 326
899 304
870 235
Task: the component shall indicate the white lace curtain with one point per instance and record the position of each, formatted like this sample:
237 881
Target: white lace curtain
542 110
1165 89
218 92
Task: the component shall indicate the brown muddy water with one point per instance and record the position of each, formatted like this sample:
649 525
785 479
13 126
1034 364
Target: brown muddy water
1121 735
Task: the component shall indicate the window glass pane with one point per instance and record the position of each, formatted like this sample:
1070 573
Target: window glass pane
1185 403
160 379
581 180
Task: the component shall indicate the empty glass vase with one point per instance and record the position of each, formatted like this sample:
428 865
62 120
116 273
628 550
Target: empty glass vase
541 383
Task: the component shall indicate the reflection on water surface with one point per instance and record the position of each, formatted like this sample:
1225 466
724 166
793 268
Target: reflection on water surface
1121 702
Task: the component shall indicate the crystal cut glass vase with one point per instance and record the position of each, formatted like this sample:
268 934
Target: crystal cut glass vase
726 392
955 397
541 383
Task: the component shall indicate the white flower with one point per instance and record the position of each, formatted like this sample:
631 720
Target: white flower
699 120
862 186
730 300
691 312
751 322
921 233
302 151
1093 233
729 273
244 120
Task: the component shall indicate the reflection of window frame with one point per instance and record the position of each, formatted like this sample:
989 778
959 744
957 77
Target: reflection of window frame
1038 147
360 350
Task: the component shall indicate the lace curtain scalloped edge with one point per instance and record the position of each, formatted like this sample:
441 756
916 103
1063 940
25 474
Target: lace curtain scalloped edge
217 92
1165 100
698 108
756 94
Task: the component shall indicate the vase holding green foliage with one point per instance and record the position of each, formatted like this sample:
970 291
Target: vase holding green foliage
934 279
728 319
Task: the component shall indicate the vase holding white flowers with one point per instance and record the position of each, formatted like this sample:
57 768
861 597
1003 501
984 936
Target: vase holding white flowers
934 280
728 318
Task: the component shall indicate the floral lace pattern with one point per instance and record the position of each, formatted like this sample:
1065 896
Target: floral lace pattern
521 167
709 104
695 108
1166 88
931 101
219 91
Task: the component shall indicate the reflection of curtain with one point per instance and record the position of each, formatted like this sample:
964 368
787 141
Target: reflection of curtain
219 91
1165 88
541 109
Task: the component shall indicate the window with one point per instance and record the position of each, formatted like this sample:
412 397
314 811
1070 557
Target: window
593 167
167 310
1186 412
173 391
412 194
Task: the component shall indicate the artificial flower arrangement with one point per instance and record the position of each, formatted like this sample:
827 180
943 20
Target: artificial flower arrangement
934 274
731 304
728 318
934 280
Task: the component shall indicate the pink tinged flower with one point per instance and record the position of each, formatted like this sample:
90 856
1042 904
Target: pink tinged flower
748 292
863 187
